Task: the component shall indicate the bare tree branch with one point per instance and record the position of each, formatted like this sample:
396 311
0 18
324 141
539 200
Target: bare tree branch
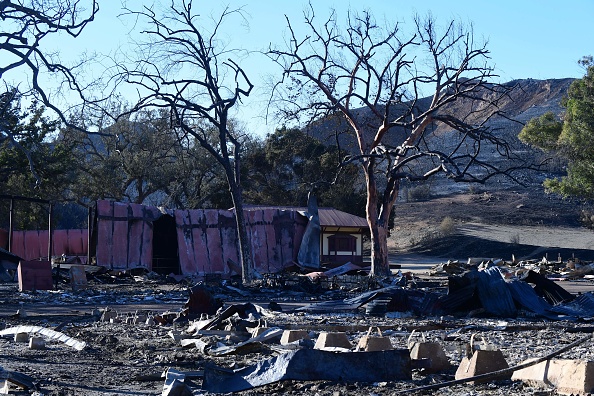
376 79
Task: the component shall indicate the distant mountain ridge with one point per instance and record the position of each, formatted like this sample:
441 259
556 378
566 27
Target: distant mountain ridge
530 98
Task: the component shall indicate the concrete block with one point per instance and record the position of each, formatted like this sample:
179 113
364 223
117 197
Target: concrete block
175 384
570 377
332 340
374 343
21 337
108 315
438 361
36 343
290 336
35 275
259 330
482 362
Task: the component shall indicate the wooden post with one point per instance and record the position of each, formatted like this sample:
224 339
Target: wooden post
89 223
50 231
10 224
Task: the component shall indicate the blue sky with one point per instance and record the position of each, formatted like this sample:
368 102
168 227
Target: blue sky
527 38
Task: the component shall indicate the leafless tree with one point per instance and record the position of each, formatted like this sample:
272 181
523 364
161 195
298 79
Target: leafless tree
185 68
374 79
25 25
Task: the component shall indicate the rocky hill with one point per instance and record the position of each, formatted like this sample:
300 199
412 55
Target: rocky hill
529 98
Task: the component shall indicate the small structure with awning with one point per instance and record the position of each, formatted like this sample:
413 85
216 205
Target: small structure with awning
341 233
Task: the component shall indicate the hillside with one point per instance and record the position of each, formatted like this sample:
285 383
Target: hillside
529 98
501 217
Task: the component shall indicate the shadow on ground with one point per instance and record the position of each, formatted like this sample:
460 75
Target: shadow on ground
463 246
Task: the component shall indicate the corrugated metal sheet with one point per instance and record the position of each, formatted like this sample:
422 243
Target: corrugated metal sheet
493 292
124 234
329 217
581 307
206 238
32 245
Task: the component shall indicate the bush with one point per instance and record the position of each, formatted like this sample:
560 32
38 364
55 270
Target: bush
587 219
419 193
447 226
514 239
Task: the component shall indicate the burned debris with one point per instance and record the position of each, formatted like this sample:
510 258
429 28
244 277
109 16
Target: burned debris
484 323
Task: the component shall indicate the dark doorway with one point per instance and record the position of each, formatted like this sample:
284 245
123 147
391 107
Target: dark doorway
165 254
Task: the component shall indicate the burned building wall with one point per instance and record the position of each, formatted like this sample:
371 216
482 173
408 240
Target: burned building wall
32 244
206 238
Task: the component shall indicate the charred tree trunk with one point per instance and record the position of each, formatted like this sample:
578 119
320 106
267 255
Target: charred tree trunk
243 239
380 265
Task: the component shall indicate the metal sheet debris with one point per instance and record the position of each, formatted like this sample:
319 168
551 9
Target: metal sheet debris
311 365
309 250
54 335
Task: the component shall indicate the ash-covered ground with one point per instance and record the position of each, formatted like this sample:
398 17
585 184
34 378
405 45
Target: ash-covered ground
127 358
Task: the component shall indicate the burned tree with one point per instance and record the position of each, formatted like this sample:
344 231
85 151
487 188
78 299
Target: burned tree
396 93
185 69
25 25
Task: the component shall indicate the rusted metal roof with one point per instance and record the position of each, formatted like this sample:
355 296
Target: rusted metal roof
329 217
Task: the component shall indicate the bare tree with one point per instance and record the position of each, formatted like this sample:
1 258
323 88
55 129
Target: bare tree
375 78
185 69
25 25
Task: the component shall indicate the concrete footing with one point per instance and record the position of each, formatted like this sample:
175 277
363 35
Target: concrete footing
570 377
290 336
36 343
108 315
432 351
332 340
373 344
21 337
482 362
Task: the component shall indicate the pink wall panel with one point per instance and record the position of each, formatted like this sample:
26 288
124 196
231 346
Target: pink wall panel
104 233
199 240
136 247
207 239
76 242
214 242
229 240
120 236
275 263
258 239
32 246
42 245
184 242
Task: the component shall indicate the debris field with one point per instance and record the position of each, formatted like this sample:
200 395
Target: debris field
464 328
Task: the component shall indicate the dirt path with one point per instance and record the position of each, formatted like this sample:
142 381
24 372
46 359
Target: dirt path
563 237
